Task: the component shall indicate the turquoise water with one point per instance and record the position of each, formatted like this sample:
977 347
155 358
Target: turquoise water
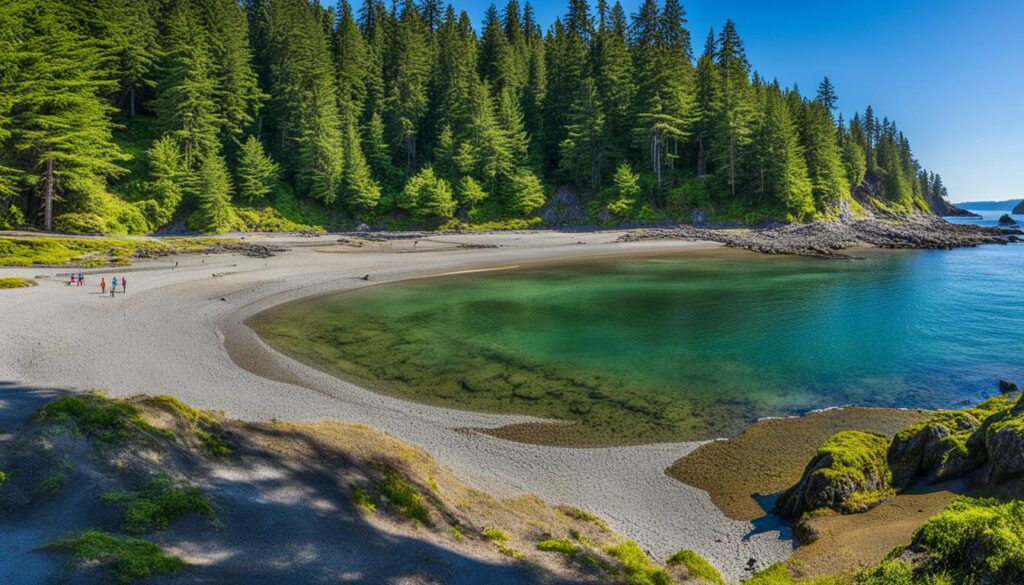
690 345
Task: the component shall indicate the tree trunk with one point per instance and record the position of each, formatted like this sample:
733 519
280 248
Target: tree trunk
656 156
131 102
410 150
701 165
48 201
732 164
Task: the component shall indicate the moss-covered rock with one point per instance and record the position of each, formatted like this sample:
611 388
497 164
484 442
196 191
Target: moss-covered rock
1003 440
848 474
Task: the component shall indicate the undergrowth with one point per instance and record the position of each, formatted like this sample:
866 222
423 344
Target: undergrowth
132 559
157 503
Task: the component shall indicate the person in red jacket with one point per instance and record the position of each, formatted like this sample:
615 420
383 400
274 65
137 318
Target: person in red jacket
103 286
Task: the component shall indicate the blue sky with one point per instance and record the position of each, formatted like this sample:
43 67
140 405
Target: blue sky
951 73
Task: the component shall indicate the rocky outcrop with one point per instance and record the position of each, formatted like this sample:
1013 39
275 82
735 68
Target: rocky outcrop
1003 441
1005 219
943 208
828 238
1018 209
935 450
848 474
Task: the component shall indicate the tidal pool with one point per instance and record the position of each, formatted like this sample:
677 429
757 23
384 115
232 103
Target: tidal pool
685 346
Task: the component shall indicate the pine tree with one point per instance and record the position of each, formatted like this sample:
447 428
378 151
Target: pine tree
257 172
706 101
186 96
428 197
214 214
827 96
360 192
734 113
786 169
824 158
625 190
471 194
583 150
167 179
613 77
409 68
65 143
352 62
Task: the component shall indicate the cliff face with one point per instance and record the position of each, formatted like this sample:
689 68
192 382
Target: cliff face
944 208
1019 209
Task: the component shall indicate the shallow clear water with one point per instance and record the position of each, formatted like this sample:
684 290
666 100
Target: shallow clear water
685 346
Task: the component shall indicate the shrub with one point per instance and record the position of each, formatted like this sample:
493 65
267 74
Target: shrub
17 282
132 559
696 566
494 535
361 498
635 562
404 496
158 503
11 217
107 421
559 545
80 223
428 196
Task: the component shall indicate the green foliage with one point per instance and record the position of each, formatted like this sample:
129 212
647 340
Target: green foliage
132 560
80 223
404 497
637 565
4 477
53 482
109 422
157 503
17 282
696 566
428 196
854 455
351 112
257 172
558 545
362 499
94 251
213 184
778 574
494 535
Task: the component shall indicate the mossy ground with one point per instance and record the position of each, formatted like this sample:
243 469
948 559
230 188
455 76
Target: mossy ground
132 559
92 252
637 566
855 456
109 422
696 566
17 282
157 503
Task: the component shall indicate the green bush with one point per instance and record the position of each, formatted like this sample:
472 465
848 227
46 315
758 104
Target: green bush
158 503
11 217
404 496
696 566
494 535
80 223
133 560
108 421
637 565
558 545
16 282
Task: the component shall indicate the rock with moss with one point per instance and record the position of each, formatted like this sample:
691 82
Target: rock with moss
1003 439
946 446
848 474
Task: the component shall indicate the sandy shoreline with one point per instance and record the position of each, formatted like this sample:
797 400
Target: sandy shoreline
181 332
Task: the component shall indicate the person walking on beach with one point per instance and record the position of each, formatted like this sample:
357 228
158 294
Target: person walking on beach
113 288
103 285
124 284
81 279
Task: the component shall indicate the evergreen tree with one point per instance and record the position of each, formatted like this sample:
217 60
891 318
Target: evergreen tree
614 81
66 144
360 192
352 62
786 170
257 172
827 96
409 69
186 97
583 150
706 98
734 112
824 159
213 187
428 196
471 194
625 190
168 179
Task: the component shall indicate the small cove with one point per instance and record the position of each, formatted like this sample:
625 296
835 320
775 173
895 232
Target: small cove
676 347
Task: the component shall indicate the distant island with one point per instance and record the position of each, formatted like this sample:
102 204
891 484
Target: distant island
287 115
1006 205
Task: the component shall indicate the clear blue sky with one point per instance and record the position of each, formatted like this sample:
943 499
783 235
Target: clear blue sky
950 72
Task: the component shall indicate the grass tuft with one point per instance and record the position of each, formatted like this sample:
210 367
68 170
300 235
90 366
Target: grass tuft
405 497
362 499
17 282
637 565
54 251
157 503
558 545
696 566
110 422
494 535
133 560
